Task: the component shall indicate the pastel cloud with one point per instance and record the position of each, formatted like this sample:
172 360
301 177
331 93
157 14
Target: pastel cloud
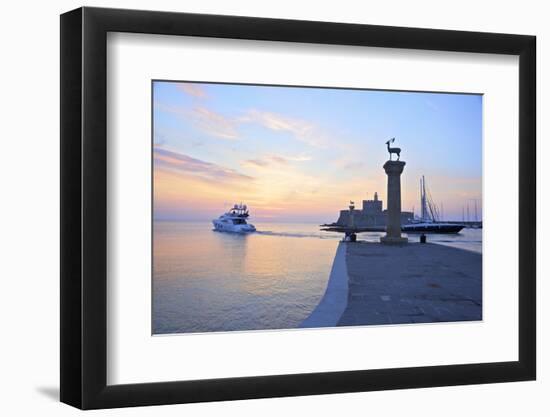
194 90
255 163
204 119
182 164
271 160
218 125
214 123
301 158
302 130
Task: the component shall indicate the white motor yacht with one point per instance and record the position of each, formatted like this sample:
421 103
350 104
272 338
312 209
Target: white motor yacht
234 220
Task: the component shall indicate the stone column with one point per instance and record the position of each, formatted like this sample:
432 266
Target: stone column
393 224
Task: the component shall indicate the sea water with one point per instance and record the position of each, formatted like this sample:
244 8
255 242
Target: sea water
208 281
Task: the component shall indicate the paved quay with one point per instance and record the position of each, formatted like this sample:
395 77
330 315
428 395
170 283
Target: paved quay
411 283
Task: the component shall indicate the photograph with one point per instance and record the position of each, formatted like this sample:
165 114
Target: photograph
291 207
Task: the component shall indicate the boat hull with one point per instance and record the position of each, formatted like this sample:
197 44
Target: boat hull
233 228
432 228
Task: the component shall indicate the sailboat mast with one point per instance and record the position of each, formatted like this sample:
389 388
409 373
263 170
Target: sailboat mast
422 214
423 202
424 211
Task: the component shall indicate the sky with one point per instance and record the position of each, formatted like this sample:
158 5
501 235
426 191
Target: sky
300 154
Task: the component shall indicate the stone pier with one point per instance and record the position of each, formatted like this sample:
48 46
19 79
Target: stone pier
413 283
394 169
373 284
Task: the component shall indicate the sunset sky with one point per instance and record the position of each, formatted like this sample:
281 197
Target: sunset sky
301 154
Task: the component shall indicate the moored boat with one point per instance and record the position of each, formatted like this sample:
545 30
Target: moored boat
429 218
431 227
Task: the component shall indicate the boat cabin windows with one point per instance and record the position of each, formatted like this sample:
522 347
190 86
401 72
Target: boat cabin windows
239 221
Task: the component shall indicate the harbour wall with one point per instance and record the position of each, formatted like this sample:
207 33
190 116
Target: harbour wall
365 219
335 300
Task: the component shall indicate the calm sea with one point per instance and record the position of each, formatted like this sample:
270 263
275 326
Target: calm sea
206 281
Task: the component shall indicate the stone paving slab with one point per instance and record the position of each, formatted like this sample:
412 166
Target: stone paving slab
412 283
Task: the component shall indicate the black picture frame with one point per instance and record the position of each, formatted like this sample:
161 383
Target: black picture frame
84 207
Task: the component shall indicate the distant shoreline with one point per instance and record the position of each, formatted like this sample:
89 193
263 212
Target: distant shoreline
318 223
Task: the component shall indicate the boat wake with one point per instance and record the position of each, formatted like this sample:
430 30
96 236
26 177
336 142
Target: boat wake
296 234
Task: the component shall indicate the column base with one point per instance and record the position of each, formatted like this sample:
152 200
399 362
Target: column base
388 240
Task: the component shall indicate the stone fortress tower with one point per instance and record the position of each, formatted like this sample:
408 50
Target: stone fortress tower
372 207
372 214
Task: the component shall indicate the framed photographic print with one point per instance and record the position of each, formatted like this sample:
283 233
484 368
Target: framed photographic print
257 207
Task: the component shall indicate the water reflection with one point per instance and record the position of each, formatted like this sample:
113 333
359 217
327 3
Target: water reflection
211 281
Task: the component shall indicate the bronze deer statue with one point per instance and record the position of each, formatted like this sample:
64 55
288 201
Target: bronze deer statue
396 151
